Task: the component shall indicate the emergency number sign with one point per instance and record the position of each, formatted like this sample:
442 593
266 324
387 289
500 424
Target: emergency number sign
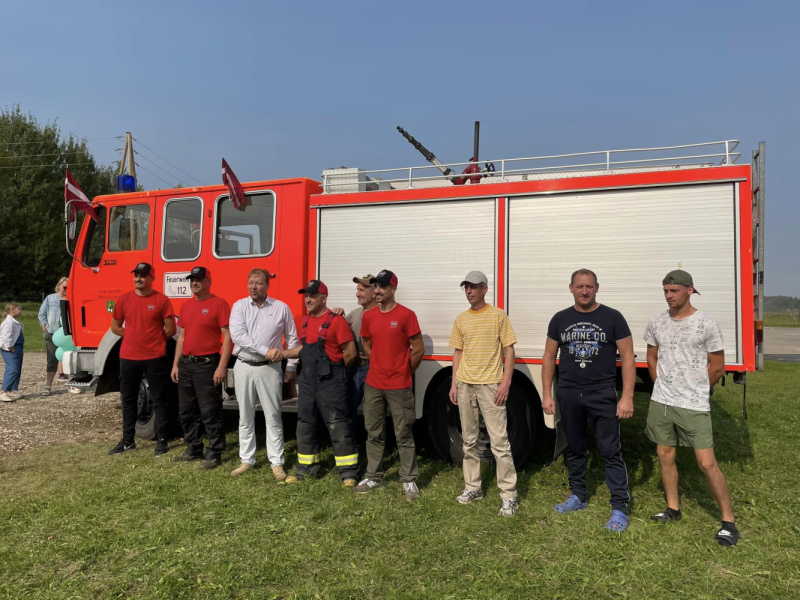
176 285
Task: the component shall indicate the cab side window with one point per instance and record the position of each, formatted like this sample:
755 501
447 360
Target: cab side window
183 229
248 231
96 243
128 228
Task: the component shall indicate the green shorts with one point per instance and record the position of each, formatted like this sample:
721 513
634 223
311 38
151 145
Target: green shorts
673 426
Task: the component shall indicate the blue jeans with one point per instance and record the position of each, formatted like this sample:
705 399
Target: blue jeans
358 379
13 366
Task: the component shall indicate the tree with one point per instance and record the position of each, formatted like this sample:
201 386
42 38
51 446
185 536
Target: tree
33 160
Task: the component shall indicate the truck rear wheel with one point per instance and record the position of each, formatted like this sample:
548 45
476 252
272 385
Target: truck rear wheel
145 415
444 426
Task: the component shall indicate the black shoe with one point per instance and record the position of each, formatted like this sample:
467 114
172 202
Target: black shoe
122 447
187 457
161 448
211 463
728 535
666 516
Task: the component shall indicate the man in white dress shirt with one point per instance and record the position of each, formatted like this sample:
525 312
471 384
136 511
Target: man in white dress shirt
259 325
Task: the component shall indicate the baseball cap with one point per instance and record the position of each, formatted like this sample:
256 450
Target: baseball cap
315 286
475 277
144 268
365 280
198 273
384 277
679 277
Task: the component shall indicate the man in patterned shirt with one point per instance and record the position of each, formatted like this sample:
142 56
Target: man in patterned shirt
482 337
685 356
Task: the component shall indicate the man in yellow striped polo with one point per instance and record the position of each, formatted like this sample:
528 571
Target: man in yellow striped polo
483 338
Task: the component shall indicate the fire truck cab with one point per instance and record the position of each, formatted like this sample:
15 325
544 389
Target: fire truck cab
631 216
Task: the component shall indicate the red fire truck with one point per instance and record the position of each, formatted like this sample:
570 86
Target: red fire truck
629 215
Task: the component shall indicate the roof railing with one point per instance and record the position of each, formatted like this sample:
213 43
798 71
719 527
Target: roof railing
718 153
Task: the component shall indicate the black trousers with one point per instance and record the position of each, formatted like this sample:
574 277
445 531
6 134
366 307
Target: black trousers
600 407
200 405
131 372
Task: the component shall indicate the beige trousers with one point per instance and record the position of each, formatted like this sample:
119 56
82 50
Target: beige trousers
475 400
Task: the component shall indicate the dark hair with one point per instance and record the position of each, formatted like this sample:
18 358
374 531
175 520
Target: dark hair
583 272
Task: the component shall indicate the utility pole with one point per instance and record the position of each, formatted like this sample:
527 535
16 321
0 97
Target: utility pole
126 182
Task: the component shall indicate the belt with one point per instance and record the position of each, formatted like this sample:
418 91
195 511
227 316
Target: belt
259 363
362 362
200 359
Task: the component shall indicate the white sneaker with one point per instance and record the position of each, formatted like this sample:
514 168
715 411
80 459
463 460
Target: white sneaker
46 390
15 395
367 485
411 490
73 390
4 397
468 497
509 508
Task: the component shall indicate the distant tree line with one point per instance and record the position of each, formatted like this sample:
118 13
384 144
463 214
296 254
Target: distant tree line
33 160
776 303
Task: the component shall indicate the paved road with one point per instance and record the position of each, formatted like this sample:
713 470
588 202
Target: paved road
782 344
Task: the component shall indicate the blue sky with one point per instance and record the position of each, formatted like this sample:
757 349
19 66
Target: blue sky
291 88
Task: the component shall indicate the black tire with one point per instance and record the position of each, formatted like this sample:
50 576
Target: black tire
444 426
145 416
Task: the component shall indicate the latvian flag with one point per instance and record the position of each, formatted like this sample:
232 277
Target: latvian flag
76 200
234 187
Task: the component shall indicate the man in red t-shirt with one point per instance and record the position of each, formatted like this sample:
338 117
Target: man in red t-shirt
199 370
144 319
326 349
388 334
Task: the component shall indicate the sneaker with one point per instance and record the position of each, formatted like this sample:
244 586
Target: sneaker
122 447
5 397
411 491
46 390
280 474
187 457
73 390
15 394
350 482
509 507
63 377
367 485
728 535
161 448
211 463
241 469
468 497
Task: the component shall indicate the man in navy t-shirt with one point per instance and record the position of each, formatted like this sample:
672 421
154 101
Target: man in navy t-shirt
588 336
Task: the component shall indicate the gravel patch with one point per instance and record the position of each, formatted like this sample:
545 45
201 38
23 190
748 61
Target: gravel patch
61 418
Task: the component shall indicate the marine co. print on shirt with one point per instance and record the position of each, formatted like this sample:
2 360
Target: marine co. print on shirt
583 341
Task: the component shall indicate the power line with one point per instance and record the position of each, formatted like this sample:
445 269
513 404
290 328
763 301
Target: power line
56 141
61 165
157 165
154 175
166 161
13 157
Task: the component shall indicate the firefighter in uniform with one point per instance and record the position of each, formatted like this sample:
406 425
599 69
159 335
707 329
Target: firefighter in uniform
326 350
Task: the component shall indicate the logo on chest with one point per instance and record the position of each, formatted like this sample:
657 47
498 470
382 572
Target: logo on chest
393 324
205 312
151 307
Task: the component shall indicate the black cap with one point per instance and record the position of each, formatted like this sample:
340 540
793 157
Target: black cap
385 278
315 286
198 273
143 269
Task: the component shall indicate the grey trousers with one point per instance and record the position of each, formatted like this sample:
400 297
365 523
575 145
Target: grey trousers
401 403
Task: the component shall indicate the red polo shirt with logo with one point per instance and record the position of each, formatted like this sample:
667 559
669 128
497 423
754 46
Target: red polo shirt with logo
143 317
201 321
390 360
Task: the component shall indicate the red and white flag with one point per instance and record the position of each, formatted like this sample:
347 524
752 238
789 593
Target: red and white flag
234 187
76 200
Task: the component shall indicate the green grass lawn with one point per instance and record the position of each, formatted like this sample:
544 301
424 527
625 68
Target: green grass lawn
75 523
782 318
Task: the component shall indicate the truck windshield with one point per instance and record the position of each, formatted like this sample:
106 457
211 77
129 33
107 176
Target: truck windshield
249 231
96 239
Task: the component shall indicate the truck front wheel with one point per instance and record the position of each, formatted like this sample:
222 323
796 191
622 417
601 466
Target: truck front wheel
145 415
444 426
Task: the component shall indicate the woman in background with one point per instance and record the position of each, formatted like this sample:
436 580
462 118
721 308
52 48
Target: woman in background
11 342
50 320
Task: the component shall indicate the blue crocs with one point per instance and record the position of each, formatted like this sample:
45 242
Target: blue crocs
571 504
617 522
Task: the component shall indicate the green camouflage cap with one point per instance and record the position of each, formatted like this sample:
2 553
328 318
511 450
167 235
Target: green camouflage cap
679 277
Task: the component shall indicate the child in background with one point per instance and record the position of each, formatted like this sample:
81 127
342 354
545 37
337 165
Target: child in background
11 343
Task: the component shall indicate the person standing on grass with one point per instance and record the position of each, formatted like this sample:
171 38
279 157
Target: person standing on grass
389 334
50 320
259 325
686 358
482 339
588 336
200 370
149 322
326 350
12 340
365 295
